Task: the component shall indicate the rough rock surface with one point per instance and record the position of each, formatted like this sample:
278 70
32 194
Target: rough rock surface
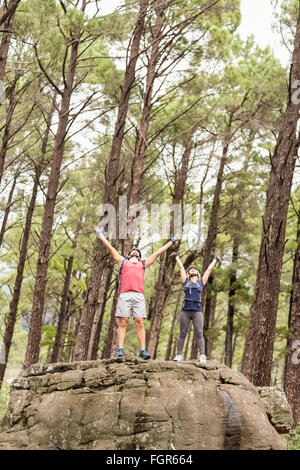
133 404
277 408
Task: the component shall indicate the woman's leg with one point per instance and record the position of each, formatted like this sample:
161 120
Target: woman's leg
197 320
184 322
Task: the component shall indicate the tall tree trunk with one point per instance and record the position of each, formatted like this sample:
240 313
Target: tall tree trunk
98 320
8 207
175 346
187 343
141 142
34 337
63 309
210 242
140 147
231 306
110 347
292 369
7 19
7 128
211 307
163 288
8 11
13 307
175 315
69 334
258 353
110 195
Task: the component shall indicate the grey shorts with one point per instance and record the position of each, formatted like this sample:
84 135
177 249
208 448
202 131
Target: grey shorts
131 301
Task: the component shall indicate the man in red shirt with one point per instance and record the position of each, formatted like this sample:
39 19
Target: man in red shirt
132 291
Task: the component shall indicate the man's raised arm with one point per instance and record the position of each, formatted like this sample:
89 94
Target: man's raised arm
152 258
115 255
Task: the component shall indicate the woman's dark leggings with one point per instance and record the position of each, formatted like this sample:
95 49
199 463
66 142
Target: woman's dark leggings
197 318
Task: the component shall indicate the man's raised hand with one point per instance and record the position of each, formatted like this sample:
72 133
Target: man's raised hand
174 239
218 259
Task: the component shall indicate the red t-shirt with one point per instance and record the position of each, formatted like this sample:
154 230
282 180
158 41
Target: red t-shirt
132 277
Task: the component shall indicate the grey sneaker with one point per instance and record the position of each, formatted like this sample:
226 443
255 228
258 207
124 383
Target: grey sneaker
178 358
202 358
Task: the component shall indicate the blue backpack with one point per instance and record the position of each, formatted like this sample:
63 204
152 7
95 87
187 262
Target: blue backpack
188 295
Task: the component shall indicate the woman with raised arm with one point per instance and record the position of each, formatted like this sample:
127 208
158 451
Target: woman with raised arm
131 299
192 307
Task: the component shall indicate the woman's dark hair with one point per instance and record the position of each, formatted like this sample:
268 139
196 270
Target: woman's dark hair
193 267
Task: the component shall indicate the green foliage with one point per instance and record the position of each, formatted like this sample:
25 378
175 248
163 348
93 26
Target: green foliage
4 398
293 439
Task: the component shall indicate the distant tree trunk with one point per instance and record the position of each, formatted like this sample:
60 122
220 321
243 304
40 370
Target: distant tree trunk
91 301
175 315
234 342
141 142
210 242
8 207
74 328
258 353
212 302
175 346
13 307
6 133
69 334
63 309
163 288
97 325
8 12
110 347
292 366
187 343
231 306
34 337
7 19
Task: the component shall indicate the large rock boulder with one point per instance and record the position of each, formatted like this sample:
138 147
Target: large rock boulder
133 404
277 408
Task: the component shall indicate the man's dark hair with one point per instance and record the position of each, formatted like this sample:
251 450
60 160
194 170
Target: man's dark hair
134 249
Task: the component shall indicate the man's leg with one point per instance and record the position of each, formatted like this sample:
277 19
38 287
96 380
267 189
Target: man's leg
121 331
141 333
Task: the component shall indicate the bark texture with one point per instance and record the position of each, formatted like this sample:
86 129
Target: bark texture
258 354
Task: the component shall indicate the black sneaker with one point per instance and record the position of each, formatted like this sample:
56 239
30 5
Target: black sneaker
144 354
120 353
